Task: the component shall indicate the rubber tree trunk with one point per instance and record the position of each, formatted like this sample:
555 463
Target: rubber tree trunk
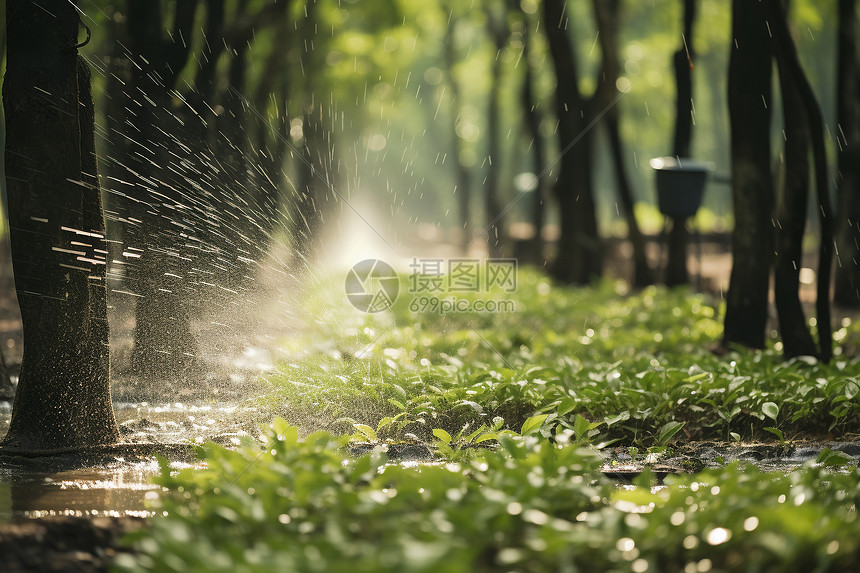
164 345
315 168
579 258
462 185
679 236
752 184
642 275
312 177
531 117
271 137
791 220
498 29
7 389
847 279
790 66
57 235
608 14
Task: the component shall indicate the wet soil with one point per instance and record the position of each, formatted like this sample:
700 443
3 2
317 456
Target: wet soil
67 544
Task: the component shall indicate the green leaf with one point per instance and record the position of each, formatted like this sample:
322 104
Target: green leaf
830 458
442 435
367 432
668 431
473 405
695 377
622 417
776 432
486 437
533 424
566 406
285 431
771 410
581 426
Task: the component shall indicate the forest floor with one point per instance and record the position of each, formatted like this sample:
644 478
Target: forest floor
238 348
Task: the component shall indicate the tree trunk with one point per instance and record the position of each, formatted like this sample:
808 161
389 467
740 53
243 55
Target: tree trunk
57 234
847 287
789 63
308 218
164 346
314 171
679 236
752 185
579 258
642 275
462 185
607 15
498 28
532 125
271 138
791 219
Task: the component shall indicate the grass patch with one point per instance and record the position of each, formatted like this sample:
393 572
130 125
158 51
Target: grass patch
634 366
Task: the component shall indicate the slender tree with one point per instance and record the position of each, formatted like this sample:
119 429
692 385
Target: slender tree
761 34
462 185
682 63
57 234
579 258
164 345
532 119
798 91
792 199
752 183
791 220
315 167
608 14
847 280
499 30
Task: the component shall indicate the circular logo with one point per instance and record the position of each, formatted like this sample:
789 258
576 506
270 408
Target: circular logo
372 285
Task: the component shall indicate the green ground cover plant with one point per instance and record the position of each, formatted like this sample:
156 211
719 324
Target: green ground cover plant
515 408
531 505
636 366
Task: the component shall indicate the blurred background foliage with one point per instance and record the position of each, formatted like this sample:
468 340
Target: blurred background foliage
378 72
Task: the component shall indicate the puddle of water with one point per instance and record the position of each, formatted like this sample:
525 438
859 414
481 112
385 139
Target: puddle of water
116 489
115 484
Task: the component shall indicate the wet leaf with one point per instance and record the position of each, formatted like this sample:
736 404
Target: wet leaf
771 410
533 424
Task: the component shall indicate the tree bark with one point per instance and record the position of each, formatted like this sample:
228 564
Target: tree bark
752 185
679 236
791 219
579 258
462 185
532 124
164 346
499 32
642 275
57 234
608 15
315 156
847 279
789 63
